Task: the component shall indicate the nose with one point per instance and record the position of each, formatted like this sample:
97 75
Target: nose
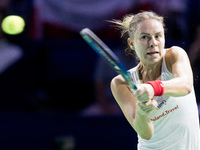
152 42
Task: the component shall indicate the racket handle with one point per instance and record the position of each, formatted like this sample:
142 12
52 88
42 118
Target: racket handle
134 87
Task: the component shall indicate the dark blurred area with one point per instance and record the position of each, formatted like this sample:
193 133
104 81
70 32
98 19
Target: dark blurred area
47 71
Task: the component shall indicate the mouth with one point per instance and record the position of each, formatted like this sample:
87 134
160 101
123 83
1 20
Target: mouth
152 53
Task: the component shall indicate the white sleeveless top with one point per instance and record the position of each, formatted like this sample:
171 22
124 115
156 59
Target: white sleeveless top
176 120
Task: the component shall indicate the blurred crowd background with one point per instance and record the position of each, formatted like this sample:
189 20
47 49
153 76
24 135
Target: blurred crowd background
52 81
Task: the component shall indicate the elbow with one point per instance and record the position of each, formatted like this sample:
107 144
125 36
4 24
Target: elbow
188 85
146 136
144 128
145 133
185 89
188 89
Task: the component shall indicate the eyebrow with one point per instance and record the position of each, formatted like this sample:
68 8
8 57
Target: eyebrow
149 34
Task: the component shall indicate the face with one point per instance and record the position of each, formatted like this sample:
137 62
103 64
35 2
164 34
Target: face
149 41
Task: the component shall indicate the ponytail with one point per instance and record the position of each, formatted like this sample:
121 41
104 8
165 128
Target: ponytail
124 24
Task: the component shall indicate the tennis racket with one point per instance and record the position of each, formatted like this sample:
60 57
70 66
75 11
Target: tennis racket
108 55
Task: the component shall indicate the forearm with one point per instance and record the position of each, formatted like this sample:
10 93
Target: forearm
177 87
133 109
179 65
143 126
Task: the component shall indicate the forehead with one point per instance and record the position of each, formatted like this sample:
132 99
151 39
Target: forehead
150 26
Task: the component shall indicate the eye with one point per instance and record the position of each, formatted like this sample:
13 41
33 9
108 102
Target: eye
144 37
157 36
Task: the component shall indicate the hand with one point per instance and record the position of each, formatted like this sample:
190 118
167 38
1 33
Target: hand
146 108
144 93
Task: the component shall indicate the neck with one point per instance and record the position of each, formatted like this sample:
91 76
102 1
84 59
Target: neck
150 72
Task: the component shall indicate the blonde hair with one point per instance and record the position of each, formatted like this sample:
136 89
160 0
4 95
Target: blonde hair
130 22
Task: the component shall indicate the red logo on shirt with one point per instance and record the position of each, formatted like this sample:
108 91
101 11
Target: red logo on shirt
166 112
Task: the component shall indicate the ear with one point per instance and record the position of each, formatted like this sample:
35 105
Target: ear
130 43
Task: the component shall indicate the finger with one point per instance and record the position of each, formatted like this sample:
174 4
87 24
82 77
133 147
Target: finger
154 103
140 110
143 111
145 108
142 98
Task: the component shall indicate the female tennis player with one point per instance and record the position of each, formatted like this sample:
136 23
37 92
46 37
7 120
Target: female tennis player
163 111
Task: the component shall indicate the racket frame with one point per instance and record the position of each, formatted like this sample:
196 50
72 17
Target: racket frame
108 55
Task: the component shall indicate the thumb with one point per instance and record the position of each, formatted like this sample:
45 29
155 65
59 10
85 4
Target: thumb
152 102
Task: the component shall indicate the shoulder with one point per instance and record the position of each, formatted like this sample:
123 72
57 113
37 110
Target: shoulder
118 80
175 54
174 51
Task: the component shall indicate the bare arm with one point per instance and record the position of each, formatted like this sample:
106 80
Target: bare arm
179 65
131 108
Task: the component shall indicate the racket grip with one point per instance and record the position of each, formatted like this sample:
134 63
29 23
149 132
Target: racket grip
134 87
